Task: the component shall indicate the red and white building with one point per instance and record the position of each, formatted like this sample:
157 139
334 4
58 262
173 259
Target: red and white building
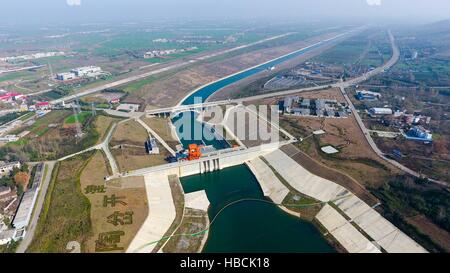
43 105
11 96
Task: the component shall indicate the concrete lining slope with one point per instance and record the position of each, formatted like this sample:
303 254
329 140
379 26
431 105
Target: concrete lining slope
270 184
376 226
196 200
384 233
344 232
161 214
302 180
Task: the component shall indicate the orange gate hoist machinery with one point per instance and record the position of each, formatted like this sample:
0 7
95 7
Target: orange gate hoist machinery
194 152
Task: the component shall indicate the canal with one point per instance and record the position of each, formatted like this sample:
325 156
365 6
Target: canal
203 93
247 226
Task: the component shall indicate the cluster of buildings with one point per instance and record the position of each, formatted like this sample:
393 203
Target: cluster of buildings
32 56
8 204
319 69
22 215
411 55
297 106
10 97
40 109
80 72
190 40
161 53
20 101
411 123
7 167
411 126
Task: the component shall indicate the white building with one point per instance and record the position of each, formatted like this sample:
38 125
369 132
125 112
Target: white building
32 56
23 214
128 107
66 76
87 71
151 146
380 111
7 168
8 138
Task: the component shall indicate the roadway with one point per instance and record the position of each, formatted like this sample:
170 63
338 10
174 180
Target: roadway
365 131
160 70
341 85
31 229
104 145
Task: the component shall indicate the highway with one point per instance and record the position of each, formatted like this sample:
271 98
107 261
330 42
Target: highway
160 70
189 62
365 131
342 85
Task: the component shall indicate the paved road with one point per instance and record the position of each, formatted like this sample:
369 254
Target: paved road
31 229
161 70
342 85
105 147
46 181
102 146
381 69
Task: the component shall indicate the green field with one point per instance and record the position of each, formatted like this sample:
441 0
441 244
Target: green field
139 84
16 75
66 213
81 117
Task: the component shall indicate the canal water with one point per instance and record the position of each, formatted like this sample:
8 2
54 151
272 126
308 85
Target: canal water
250 226
247 226
203 93
186 124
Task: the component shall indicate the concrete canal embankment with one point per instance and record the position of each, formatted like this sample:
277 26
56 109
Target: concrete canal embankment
354 224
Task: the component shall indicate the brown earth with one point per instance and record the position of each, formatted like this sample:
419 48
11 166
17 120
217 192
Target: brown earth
172 88
102 124
134 195
129 132
162 127
131 158
436 233
355 159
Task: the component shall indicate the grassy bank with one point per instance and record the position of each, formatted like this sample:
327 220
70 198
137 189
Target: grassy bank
66 213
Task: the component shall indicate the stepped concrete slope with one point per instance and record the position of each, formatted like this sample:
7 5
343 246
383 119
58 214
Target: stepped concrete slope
379 230
270 184
304 181
344 232
377 227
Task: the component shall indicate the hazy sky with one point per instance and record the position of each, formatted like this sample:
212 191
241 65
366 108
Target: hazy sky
45 11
